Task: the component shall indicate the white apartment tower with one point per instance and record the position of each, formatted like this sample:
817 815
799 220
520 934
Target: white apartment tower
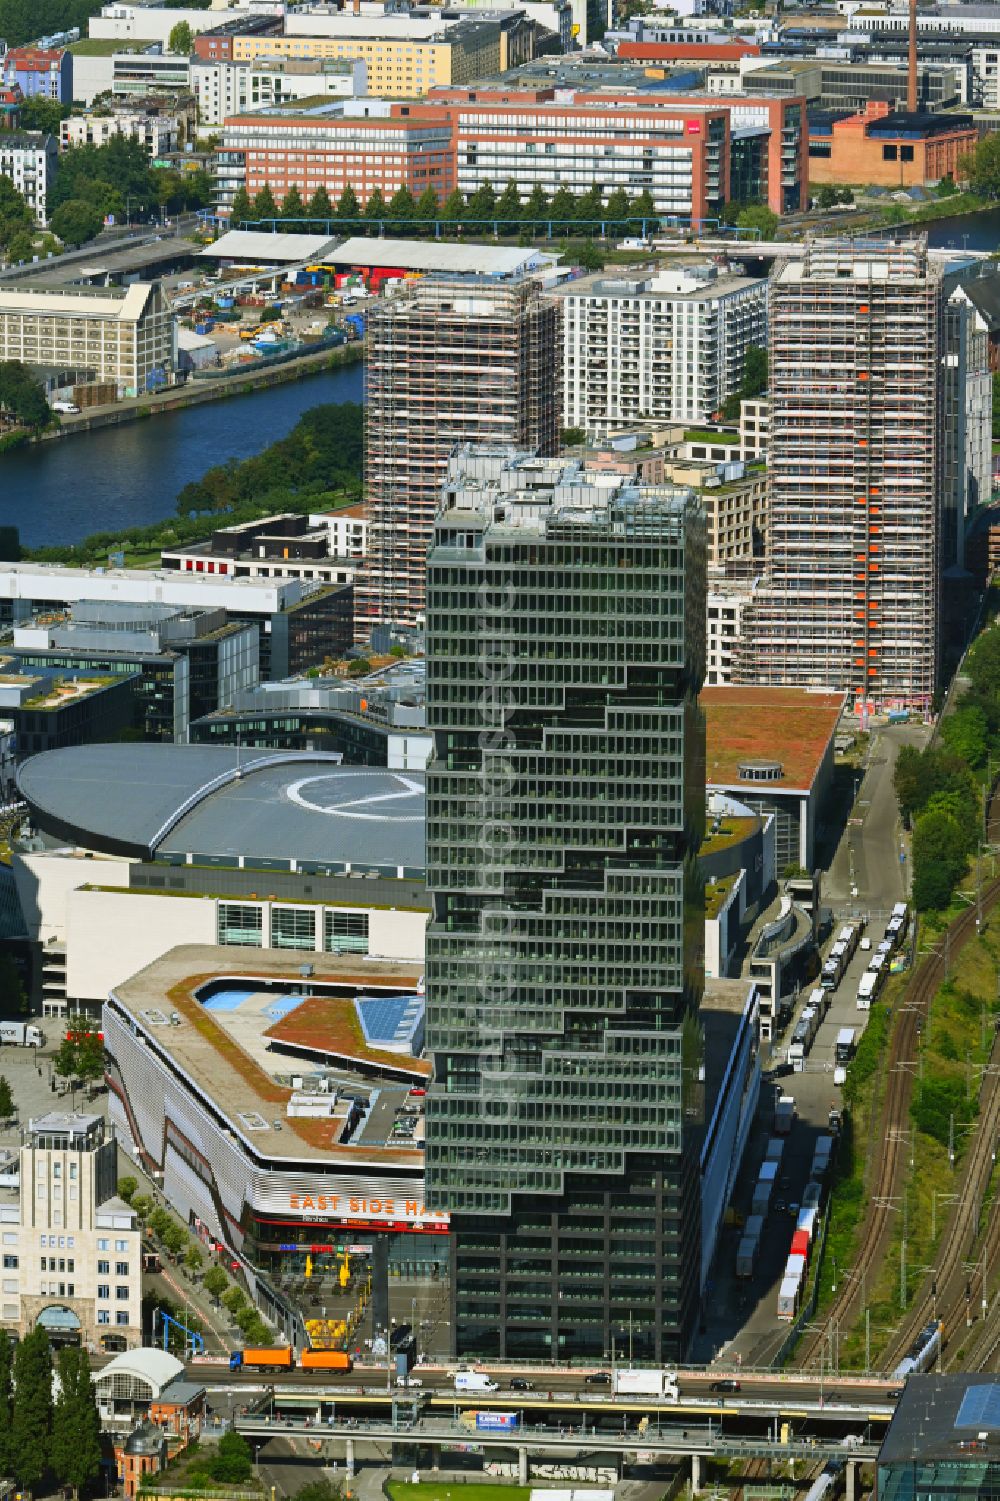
851 594
667 346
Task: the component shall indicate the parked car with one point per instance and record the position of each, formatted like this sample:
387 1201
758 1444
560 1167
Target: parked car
728 1384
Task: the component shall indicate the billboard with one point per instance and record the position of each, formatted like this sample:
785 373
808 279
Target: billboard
497 1422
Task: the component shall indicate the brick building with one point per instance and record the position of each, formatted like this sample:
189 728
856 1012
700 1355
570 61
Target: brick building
888 148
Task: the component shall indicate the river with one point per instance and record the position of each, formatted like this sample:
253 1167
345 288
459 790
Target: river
966 231
130 475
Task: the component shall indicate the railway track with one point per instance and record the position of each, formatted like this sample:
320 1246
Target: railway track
876 1231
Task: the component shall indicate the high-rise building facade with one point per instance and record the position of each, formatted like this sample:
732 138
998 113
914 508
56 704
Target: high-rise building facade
565 798
449 360
851 596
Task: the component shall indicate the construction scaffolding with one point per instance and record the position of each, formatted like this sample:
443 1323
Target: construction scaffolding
450 360
851 596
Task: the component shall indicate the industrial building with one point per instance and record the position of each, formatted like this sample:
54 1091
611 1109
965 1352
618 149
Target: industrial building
888 148
564 815
666 345
450 360
124 334
72 1250
850 597
131 850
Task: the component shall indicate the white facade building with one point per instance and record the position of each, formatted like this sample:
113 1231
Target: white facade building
661 346
158 133
155 23
724 606
28 158
227 88
72 1250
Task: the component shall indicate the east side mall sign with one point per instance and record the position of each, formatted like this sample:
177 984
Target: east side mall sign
404 1213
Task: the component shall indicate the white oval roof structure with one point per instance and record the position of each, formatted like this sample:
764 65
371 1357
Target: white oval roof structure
138 1375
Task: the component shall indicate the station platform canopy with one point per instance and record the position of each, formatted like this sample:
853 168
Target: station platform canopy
263 249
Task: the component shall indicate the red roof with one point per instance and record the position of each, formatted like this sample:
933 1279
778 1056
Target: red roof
793 726
687 51
33 59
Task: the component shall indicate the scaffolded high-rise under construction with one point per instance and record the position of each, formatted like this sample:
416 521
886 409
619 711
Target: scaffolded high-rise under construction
851 597
450 360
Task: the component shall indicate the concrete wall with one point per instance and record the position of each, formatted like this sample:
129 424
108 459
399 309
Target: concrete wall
44 882
111 935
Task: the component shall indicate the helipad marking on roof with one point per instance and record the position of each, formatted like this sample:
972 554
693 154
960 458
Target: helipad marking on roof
349 809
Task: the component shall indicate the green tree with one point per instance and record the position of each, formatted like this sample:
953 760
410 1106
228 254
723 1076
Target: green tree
76 222
181 39
643 207
31 1418
939 854
6 1401
427 206
590 257
142 1204
174 1238
242 210
562 210
292 206
759 217
264 206
453 208
6 1100
234 1300
90 1058
482 205
127 1187
320 206
233 1461
754 381
966 733
215 1282
827 196
572 437
319 1490
64 1060
536 207
590 205
348 207
160 1221
375 209
76 1424
15 213
22 396
402 212
980 168
508 209
616 210
194 1259
360 667
46 115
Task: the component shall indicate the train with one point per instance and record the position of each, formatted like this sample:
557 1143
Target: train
827 1482
282 1358
923 1352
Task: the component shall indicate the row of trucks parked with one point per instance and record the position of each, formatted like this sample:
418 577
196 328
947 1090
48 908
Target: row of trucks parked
282 1358
808 1024
881 962
794 1276
841 954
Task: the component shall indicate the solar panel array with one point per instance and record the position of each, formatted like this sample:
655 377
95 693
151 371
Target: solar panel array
390 1020
980 1408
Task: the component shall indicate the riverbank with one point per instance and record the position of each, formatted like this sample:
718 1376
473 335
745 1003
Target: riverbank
193 393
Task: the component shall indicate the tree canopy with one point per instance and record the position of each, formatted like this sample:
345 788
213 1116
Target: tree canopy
981 166
31 1422
181 39
22 396
76 1422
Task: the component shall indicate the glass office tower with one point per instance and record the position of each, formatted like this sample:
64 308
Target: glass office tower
565 646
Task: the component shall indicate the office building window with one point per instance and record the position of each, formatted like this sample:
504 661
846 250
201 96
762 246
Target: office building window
241 924
345 932
293 928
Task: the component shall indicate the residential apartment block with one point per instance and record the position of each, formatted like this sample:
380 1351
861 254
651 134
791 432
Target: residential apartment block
850 600
30 159
72 1250
450 360
124 334
725 606
359 144
663 346
563 982
160 134
39 71
224 88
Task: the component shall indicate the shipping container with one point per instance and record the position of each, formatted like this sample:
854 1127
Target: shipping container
775 1149
788 1299
784 1115
795 1267
325 1360
746 1257
768 1172
806 1221
800 1243
754 1227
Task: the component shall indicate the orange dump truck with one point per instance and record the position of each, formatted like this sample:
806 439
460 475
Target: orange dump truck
325 1360
263 1360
